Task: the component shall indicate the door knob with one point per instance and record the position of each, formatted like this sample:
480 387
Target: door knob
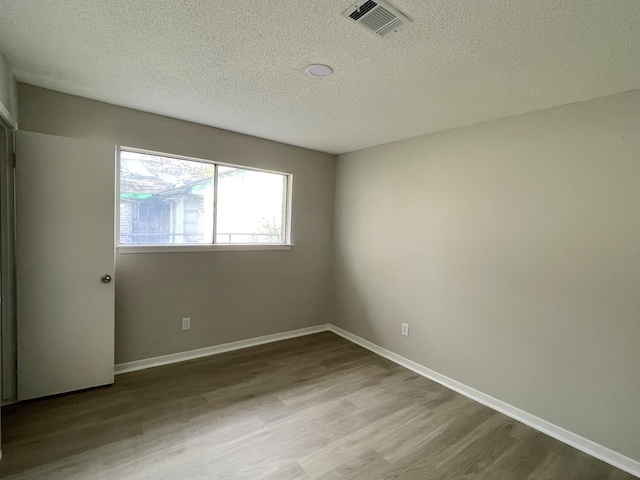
105 278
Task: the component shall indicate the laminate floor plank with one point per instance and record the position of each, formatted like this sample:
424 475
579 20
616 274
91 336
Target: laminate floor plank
310 408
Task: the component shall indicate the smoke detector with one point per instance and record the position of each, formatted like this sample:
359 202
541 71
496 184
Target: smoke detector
377 17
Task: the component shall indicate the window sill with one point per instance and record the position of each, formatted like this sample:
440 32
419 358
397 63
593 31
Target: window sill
201 248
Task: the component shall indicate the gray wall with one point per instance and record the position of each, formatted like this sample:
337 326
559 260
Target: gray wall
512 248
228 295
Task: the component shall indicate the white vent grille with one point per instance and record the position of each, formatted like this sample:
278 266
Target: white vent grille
377 17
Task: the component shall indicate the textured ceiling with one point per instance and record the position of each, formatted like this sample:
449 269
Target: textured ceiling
239 64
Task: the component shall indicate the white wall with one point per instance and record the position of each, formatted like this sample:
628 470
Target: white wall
229 296
512 248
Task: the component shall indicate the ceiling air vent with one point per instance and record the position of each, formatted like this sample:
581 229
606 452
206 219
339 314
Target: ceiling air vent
377 17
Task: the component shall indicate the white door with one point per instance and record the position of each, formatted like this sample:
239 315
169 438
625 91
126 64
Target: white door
64 247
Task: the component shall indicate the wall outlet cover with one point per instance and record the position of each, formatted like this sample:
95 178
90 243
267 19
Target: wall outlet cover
186 323
405 329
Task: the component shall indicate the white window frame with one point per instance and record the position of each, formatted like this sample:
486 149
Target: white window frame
203 247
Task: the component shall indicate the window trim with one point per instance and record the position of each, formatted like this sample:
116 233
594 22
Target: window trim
202 247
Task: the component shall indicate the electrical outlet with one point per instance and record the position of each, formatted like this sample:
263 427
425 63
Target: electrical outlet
186 323
405 329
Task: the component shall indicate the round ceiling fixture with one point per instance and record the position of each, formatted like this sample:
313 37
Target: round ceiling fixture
317 70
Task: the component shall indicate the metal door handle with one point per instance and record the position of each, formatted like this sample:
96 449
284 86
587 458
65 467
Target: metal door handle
105 278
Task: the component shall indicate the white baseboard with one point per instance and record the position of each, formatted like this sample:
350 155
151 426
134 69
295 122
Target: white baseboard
214 350
594 449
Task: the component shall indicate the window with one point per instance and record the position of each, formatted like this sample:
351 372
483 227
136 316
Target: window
174 201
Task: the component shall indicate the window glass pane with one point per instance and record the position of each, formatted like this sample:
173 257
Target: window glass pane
251 206
165 200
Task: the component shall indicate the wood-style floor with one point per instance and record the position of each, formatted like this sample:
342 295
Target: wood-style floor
316 407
